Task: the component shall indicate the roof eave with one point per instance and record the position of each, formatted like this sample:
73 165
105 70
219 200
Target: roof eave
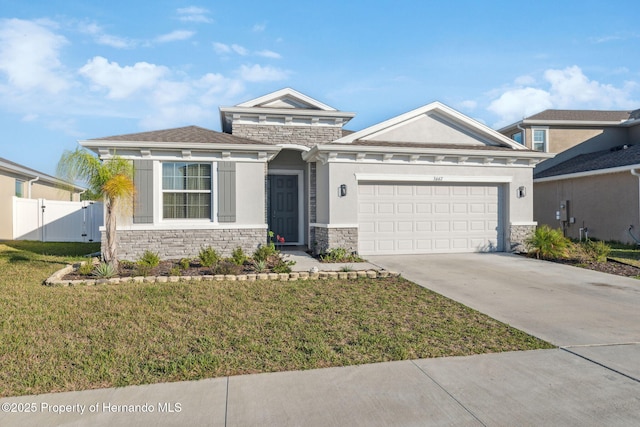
584 174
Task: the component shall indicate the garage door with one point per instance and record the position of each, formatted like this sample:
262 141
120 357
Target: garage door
428 218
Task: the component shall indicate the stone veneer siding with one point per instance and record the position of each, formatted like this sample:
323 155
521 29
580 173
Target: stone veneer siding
174 244
518 234
281 134
332 238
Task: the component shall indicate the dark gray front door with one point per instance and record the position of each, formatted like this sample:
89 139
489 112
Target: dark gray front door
283 206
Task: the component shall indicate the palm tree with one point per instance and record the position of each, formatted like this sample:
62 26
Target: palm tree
111 179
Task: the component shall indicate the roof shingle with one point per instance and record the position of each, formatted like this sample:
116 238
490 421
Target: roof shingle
582 115
606 159
188 134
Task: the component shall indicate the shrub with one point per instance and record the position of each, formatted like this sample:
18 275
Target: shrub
104 271
548 243
282 266
85 269
227 267
143 270
185 263
339 255
598 251
127 265
238 256
264 252
208 256
152 259
175 271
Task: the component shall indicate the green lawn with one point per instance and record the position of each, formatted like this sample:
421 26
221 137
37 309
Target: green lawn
58 339
629 254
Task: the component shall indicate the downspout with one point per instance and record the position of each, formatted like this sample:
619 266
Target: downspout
29 183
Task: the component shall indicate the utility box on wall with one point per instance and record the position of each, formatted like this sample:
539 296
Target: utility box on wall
564 210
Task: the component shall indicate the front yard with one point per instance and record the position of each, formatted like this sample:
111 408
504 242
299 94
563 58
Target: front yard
59 339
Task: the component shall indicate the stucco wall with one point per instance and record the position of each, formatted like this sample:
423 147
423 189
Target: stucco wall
605 204
250 193
7 191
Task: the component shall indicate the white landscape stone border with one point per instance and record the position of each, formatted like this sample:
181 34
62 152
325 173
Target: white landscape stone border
57 278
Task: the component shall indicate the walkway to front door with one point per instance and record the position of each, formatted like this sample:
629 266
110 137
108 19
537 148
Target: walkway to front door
283 206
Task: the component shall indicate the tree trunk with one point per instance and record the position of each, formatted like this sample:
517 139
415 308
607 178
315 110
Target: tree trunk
111 255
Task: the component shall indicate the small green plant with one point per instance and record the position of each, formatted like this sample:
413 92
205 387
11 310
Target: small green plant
282 266
152 259
346 268
104 271
260 266
597 250
175 271
264 252
143 270
548 243
208 256
85 269
126 264
185 263
238 256
339 255
227 267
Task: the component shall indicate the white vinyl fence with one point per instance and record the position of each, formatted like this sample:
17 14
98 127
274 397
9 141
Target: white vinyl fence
56 221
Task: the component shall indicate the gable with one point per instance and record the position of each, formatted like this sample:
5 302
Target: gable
286 98
433 124
430 129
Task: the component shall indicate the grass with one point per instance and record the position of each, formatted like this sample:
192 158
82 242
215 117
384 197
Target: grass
56 339
628 254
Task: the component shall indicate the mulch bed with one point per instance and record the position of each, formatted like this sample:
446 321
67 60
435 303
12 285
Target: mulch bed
611 267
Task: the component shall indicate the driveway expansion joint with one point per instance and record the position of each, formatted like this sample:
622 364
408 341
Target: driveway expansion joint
600 364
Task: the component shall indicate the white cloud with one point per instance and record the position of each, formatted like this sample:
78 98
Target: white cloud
469 104
221 48
30 56
568 88
122 82
175 36
258 73
239 49
269 54
101 37
194 14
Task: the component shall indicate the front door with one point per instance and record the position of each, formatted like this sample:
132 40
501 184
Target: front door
283 206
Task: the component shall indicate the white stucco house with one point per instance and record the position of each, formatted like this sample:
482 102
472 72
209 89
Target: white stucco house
430 180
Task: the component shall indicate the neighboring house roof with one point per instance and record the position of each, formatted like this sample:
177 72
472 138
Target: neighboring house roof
582 115
187 134
30 174
422 145
589 162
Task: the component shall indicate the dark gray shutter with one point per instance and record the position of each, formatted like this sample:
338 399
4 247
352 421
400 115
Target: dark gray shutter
143 181
226 192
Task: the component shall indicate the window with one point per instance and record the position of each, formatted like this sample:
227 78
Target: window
517 137
539 139
186 190
19 188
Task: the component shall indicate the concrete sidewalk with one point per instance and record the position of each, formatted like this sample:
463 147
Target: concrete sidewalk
534 388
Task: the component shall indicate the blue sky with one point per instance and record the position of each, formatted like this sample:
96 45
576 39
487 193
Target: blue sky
73 70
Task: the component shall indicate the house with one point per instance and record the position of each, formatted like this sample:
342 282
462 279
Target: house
554 131
430 180
592 172
23 182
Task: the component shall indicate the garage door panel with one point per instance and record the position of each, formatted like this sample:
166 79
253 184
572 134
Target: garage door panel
428 218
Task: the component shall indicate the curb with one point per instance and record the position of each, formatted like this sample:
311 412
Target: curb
56 278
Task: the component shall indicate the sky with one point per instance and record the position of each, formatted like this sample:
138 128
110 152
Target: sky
74 70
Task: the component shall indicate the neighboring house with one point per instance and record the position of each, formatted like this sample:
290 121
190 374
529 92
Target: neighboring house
20 181
554 131
589 187
431 180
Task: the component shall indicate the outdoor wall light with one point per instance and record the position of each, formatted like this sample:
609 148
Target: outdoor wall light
522 191
342 190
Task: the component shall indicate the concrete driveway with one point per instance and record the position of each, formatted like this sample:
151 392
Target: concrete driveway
565 305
